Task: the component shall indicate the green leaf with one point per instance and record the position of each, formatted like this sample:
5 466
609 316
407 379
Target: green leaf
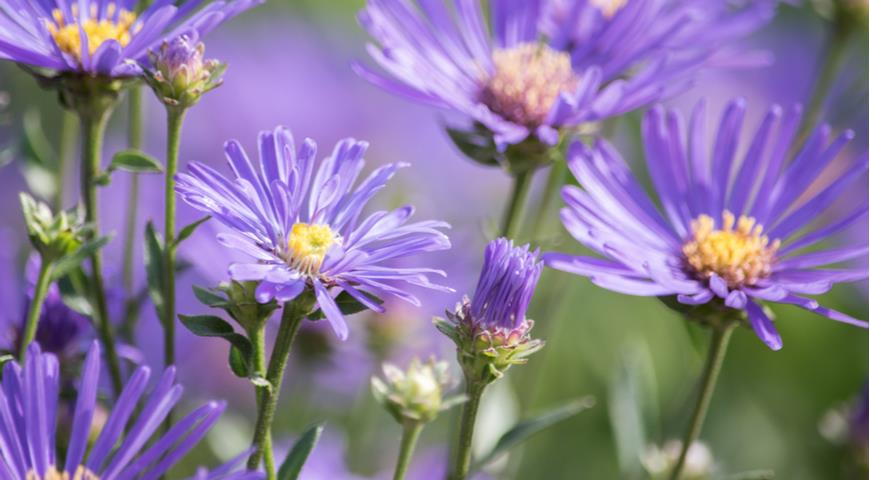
348 305
135 161
299 453
525 429
238 364
632 406
35 146
154 268
188 230
476 145
69 262
73 291
209 297
211 326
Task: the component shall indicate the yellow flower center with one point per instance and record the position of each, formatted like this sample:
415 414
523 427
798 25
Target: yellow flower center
527 81
114 26
307 245
81 473
609 7
741 255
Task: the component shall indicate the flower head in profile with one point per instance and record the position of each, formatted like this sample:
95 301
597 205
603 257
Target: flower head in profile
733 230
528 68
416 394
491 330
101 37
301 222
29 400
181 74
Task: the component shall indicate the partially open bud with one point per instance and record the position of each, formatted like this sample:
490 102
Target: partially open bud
180 74
491 331
53 236
416 394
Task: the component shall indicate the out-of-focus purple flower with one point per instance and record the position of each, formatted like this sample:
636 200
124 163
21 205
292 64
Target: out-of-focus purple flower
507 281
104 37
731 232
29 398
301 224
547 64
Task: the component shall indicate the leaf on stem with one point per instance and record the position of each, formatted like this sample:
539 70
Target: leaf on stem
72 261
188 230
523 430
292 465
154 268
135 161
211 326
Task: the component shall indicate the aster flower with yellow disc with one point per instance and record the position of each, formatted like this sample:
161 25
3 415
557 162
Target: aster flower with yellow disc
527 69
734 230
300 221
101 37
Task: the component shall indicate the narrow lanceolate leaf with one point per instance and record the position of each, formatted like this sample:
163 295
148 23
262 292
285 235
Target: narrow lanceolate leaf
525 429
135 161
299 453
209 297
188 230
74 292
72 261
211 326
154 268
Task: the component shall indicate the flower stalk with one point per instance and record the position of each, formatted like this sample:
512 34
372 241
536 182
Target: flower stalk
721 335
42 283
175 120
474 392
514 212
410 434
134 141
93 127
291 318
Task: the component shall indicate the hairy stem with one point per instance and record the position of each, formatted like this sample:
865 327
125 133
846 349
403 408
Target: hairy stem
715 357
410 434
175 119
462 465
291 318
42 284
93 126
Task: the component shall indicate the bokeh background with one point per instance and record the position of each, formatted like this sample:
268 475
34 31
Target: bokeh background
289 64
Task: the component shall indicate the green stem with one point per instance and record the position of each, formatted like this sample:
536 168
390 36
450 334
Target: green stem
68 133
715 357
462 466
134 141
291 318
513 214
175 119
555 179
42 283
258 341
93 126
410 434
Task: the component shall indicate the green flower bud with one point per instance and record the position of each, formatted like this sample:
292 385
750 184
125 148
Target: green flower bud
180 73
417 394
53 236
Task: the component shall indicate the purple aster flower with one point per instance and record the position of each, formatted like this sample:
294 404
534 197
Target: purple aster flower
105 37
546 64
732 231
29 404
300 221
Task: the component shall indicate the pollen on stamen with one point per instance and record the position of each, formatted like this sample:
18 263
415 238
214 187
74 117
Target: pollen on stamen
740 256
52 473
307 246
118 25
526 82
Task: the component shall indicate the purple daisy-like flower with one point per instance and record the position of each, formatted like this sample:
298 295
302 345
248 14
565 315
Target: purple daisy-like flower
29 404
104 37
732 231
301 223
531 67
507 282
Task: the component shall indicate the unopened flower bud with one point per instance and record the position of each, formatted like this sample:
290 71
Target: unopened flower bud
491 331
416 394
180 74
53 236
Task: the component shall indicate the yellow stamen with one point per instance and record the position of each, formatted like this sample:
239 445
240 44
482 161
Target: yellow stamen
609 7
741 255
68 37
527 80
307 246
52 473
